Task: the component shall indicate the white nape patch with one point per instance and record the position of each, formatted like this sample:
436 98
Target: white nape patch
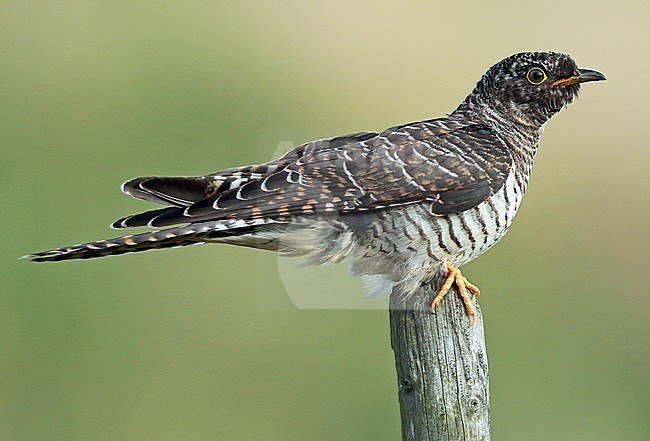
377 285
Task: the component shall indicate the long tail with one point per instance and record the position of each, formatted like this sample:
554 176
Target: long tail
192 234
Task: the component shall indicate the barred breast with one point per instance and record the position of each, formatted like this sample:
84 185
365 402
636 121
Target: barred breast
406 246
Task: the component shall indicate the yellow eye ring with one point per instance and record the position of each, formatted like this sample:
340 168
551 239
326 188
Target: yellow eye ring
536 76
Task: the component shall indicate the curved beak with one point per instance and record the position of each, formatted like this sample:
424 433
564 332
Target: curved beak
584 75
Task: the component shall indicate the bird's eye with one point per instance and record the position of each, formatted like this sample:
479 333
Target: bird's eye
536 76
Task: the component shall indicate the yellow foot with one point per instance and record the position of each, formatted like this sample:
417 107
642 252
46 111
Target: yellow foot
455 276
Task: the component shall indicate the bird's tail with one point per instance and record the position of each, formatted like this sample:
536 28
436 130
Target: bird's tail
192 234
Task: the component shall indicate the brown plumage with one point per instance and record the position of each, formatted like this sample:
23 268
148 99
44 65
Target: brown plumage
399 204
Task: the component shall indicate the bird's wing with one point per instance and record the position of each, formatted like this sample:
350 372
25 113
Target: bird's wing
182 191
453 165
450 165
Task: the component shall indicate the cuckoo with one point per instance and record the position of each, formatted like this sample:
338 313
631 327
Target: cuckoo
402 206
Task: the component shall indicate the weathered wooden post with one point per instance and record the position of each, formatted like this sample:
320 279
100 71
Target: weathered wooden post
442 368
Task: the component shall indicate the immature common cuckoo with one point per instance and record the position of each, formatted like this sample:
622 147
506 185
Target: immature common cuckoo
401 205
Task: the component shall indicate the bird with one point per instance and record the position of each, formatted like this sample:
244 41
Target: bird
403 206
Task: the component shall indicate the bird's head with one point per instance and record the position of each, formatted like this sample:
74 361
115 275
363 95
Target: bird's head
531 87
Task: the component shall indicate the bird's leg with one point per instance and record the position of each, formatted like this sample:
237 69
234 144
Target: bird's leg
471 286
455 276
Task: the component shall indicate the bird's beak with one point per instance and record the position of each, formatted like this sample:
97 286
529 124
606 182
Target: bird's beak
584 75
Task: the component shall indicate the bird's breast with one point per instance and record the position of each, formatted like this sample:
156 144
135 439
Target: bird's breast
457 238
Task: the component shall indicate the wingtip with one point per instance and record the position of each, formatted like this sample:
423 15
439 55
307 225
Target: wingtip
117 225
121 223
124 188
127 185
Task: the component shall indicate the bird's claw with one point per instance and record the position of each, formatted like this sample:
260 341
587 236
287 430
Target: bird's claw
455 276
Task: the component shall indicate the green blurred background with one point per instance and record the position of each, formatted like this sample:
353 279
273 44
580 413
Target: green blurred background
206 343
